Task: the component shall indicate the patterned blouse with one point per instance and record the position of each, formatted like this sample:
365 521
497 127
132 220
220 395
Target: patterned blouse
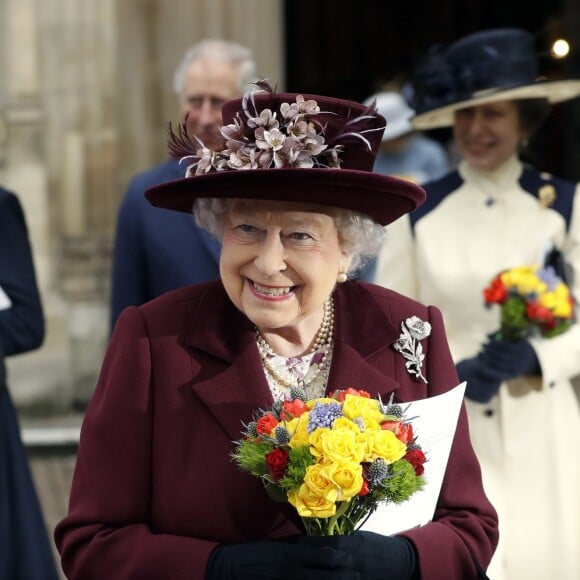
298 370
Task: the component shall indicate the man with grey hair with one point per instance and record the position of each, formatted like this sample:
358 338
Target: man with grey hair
156 250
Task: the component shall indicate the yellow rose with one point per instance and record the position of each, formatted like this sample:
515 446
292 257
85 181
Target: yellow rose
310 505
524 279
315 441
372 425
316 497
386 445
366 443
298 429
344 423
340 445
347 477
563 309
355 406
563 304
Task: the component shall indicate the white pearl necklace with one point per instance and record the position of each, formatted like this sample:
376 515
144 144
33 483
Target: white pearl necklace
322 343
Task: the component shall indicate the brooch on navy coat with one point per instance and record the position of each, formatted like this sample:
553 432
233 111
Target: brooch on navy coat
547 195
413 330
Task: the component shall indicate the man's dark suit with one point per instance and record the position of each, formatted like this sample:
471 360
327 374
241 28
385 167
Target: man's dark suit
157 250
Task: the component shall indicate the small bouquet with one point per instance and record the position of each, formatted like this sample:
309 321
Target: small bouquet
534 302
334 458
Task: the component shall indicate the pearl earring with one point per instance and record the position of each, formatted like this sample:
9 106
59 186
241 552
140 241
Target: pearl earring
342 277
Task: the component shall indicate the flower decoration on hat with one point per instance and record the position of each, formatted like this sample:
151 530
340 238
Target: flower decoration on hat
413 330
293 135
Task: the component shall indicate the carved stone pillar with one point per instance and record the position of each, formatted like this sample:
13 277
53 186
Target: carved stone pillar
85 95
40 378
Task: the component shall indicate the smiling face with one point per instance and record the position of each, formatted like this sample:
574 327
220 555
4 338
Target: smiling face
279 265
487 135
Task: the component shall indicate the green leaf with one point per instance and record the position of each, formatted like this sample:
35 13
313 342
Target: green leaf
300 460
251 456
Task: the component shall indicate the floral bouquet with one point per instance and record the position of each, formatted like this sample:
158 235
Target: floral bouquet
534 302
334 459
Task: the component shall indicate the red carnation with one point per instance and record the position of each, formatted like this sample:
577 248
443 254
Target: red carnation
341 395
364 490
277 461
266 423
403 431
291 409
416 458
535 311
496 292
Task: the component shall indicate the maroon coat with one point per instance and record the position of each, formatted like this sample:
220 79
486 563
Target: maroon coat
154 488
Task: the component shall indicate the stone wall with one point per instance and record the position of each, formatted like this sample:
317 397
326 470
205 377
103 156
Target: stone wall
85 96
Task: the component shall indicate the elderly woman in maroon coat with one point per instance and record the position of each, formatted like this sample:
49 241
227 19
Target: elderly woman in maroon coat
155 493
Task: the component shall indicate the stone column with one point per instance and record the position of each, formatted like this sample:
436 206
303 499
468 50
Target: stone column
78 70
40 378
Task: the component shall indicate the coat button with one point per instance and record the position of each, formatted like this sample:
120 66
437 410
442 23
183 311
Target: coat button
488 412
552 384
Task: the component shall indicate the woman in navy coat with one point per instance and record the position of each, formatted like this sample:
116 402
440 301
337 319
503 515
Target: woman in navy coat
155 494
25 552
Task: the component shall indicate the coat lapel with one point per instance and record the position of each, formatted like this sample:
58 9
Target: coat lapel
236 386
363 357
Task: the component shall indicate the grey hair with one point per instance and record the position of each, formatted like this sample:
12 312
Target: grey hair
221 50
360 236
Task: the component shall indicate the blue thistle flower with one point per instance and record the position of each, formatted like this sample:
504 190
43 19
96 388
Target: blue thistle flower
251 429
277 407
377 471
281 435
298 393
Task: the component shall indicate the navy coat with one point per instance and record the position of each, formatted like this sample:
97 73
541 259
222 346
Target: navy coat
25 551
157 250
154 488
21 325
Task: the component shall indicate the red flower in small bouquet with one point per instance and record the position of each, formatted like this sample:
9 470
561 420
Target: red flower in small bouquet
533 300
335 459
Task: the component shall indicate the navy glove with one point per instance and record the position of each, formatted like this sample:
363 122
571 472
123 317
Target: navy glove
509 359
498 361
278 561
374 557
482 383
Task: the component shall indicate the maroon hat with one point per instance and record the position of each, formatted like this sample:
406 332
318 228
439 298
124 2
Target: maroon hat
291 147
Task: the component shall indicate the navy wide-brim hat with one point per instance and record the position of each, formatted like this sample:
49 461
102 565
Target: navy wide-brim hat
487 66
295 148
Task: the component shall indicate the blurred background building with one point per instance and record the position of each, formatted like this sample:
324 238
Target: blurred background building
85 97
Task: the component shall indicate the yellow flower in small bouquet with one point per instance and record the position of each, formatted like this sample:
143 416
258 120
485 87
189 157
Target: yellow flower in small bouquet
533 300
335 459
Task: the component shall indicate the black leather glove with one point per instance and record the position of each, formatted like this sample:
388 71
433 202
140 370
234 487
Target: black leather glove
510 359
374 557
279 560
482 384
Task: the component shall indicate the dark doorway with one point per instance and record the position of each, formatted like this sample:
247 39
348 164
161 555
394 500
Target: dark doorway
353 48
